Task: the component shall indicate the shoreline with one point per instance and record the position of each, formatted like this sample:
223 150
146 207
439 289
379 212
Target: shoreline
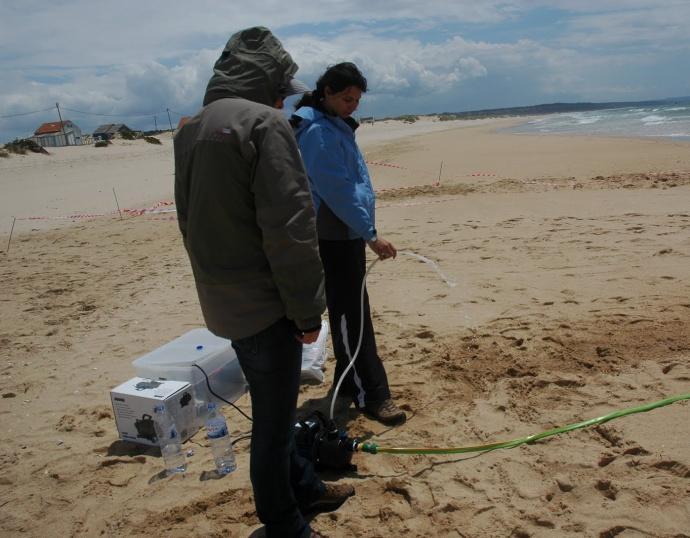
659 138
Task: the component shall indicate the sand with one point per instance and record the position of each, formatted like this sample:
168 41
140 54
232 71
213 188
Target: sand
571 258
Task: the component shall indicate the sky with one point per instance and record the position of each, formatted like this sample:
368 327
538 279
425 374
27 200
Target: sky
135 62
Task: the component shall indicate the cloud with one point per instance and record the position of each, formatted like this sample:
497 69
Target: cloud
639 29
393 67
124 31
35 33
131 94
132 59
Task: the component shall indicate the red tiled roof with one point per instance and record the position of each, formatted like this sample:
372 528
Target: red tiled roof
52 127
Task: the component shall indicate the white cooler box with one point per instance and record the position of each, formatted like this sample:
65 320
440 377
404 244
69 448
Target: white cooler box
184 358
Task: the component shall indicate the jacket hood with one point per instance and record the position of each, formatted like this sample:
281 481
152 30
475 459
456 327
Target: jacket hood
254 66
304 116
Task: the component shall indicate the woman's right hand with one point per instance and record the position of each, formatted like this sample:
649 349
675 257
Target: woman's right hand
308 338
383 249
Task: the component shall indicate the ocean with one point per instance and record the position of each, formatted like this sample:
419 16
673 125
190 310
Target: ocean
666 121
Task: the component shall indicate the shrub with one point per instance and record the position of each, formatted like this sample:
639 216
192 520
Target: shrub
102 143
4 153
152 140
21 146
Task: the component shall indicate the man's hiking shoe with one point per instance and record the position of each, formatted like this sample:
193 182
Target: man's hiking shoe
386 412
261 533
333 497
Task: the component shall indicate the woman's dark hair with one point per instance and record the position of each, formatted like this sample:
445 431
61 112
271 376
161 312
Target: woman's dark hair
337 77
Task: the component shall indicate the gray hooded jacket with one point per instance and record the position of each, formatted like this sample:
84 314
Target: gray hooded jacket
242 196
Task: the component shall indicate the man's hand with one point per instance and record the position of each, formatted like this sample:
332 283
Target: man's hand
383 249
308 338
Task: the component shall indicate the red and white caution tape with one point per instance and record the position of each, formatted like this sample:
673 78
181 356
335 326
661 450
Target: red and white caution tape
390 165
158 207
413 204
74 216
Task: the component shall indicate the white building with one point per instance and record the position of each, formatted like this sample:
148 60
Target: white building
57 133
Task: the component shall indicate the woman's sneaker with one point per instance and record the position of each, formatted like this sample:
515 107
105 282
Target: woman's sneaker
385 412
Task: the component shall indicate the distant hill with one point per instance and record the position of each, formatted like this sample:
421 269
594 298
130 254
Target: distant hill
554 108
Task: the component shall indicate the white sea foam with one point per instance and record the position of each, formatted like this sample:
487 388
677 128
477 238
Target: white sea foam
653 120
660 121
578 118
672 135
589 119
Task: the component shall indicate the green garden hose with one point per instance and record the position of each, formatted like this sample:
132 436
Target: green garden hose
373 448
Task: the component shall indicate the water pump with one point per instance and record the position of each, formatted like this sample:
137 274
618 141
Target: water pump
319 440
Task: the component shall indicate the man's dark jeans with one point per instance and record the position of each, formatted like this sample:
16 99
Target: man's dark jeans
271 361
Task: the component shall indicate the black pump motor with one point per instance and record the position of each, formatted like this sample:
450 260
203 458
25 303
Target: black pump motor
320 441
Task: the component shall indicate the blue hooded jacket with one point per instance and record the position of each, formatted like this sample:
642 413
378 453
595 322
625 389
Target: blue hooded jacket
338 176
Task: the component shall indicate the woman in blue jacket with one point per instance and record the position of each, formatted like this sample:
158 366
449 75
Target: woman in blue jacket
344 201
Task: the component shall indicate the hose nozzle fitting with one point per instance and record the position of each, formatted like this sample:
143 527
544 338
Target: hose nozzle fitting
367 446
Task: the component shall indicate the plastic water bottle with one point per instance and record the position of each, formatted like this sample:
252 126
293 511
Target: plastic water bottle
219 439
169 440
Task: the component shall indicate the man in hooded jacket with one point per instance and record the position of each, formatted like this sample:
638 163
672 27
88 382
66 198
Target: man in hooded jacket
247 221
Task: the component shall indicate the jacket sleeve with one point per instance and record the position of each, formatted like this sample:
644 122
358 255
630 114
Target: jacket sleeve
325 161
285 215
182 173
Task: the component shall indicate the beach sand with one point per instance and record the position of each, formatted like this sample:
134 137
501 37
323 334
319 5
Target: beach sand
571 263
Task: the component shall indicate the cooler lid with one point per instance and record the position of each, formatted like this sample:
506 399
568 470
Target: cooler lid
190 348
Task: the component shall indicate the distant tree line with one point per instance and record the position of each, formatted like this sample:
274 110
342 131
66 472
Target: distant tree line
555 108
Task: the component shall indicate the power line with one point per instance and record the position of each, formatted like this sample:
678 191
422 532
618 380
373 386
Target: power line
26 113
137 115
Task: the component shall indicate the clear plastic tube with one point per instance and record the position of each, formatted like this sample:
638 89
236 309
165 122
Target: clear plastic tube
436 268
434 265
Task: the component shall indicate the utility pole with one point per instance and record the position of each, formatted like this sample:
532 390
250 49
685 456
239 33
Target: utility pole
62 124
155 123
169 121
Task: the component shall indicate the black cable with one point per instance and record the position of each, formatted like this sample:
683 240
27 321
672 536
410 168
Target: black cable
242 438
208 384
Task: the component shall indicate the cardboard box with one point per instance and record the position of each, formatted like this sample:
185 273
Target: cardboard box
133 403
